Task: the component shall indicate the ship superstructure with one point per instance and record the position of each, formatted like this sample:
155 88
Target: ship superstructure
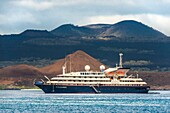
111 80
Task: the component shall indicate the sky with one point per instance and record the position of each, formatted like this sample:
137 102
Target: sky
19 15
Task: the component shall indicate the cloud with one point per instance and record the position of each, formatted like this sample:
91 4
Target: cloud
45 4
15 23
48 14
18 17
34 4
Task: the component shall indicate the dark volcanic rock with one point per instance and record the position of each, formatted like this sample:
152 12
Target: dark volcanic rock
69 30
130 28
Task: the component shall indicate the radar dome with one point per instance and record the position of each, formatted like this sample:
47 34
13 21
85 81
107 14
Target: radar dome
87 67
102 67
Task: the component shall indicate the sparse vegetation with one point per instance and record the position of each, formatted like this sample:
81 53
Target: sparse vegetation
137 63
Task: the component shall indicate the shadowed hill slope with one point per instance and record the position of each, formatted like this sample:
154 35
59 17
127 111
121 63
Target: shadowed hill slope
130 28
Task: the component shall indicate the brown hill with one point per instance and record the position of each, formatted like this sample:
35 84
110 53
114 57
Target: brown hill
19 75
21 70
157 80
78 60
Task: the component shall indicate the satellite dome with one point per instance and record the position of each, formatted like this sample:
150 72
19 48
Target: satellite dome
102 67
87 67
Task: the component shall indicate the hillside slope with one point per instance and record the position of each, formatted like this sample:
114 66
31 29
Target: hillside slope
130 28
19 75
74 62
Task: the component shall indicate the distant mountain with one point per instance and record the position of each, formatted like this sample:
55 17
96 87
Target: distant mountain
69 30
130 28
37 33
26 35
124 30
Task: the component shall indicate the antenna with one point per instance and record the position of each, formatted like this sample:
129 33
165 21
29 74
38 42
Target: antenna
137 75
65 64
64 71
120 62
70 63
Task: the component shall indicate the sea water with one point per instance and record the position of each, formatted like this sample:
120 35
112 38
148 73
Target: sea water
35 101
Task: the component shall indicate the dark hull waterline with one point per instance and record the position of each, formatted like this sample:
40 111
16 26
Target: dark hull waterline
93 89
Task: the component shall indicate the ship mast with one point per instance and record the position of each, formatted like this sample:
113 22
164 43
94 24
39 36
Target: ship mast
70 63
64 69
120 62
64 66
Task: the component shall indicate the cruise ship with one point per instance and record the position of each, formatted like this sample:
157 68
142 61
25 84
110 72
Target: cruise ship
111 80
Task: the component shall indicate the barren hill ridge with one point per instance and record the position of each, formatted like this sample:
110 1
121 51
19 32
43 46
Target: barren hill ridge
74 62
21 70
